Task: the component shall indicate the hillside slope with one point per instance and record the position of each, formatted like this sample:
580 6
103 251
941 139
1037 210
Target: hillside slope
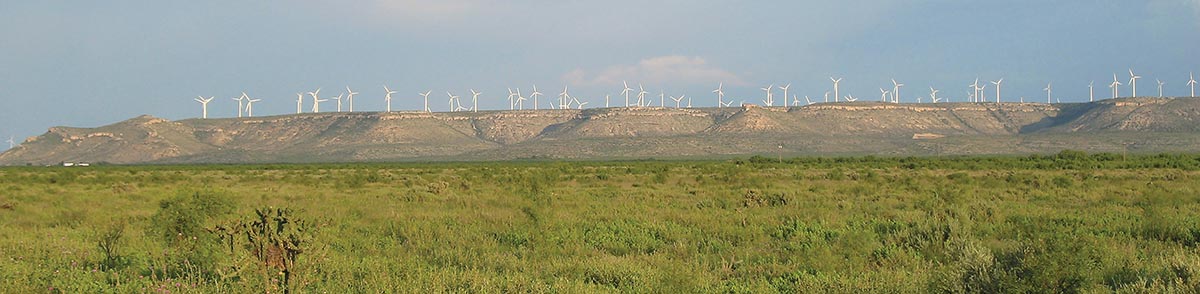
826 128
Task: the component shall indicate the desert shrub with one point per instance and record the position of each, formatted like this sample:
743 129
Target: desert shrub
181 224
110 242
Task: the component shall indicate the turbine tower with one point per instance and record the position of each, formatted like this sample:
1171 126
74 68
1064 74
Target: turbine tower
204 105
997 83
240 99
836 90
387 98
1091 94
339 101
316 95
475 99
768 101
974 90
883 95
720 94
641 95
933 95
426 95
1049 89
1160 84
785 92
626 92
452 97
350 97
1116 86
896 91
317 104
250 106
606 100
1133 81
1192 83
299 103
533 95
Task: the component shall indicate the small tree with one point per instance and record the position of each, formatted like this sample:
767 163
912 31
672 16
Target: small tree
275 238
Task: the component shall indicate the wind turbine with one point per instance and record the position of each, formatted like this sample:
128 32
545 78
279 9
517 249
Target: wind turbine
896 91
203 105
1160 84
299 103
851 98
661 101
534 95
475 99
785 94
1091 94
808 100
997 83
1192 83
1133 81
606 100
339 101
11 143
795 101
250 106
387 98
677 100
835 88
626 92
689 101
769 101
1049 88
883 95
350 97
520 100
1116 86
426 95
982 93
641 95
316 95
563 99
720 94
317 104
240 99
826 96
512 102
933 95
974 90
452 97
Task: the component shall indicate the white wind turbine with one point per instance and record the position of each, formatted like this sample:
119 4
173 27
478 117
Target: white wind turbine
11 143
770 100
387 98
785 92
533 95
1192 83
689 101
933 95
316 95
520 100
299 103
835 88
720 94
564 99
1160 84
641 95
662 102
808 100
240 99
1091 93
475 99
997 83
204 105
426 95
826 96
350 97
339 101
982 93
451 99
851 98
250 106
795 101
626 92
677 100
512 101
606 100
1049 89
974 90
1133 81
317 104
896 91
883 95
1116 86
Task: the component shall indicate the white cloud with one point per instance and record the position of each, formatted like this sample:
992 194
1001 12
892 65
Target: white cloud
672 69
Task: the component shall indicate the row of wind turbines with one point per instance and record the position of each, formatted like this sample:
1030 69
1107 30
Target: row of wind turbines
516 100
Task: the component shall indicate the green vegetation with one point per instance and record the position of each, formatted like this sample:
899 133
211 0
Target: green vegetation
1068 222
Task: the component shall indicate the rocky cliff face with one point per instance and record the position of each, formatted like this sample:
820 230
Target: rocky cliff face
837 128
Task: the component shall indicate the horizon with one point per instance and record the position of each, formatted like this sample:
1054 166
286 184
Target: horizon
133 58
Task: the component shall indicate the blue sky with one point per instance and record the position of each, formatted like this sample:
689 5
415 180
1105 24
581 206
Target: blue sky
90 63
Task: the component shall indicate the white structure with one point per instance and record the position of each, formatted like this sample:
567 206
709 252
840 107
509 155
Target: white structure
533 95
1116 86
606 100
1133 81
836 90
564 98
641 95
250 106
677 100
387 98
240 99
785 92
316 95
770 100
851 98
475 99
426 95
11 143
299 103
883 95
626 92
204 105
317 103
1091 94
1160 84
997 83
350 97
933 95
974 90
451 101
896 91
720 94
808 100
339 101
1049 89
1192 83
795 101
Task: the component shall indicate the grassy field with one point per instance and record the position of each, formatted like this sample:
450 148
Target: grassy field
1069 222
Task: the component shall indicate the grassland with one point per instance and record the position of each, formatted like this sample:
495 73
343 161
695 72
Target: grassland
1070 222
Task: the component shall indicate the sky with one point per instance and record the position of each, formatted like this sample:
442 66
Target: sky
92 63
